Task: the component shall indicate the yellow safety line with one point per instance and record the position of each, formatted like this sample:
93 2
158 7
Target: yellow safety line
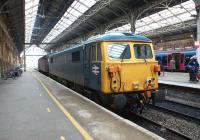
67 114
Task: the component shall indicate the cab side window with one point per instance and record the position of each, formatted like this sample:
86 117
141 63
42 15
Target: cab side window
95 52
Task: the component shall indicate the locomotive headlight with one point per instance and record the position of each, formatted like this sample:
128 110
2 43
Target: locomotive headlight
135 85
149 83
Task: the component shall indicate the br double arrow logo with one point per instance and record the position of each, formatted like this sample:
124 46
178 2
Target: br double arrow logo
95 69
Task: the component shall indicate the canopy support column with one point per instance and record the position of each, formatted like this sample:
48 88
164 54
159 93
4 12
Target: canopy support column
24 58
132 21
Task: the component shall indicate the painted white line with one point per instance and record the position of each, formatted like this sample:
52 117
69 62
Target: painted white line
48 110
62 138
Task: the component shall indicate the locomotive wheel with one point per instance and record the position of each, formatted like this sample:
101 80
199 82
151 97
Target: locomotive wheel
95 97
106 100
141 102
119 102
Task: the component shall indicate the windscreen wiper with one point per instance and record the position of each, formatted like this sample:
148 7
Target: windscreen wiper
145 60
123 54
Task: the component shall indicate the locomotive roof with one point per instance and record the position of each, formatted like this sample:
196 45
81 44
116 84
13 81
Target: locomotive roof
119 37
111 37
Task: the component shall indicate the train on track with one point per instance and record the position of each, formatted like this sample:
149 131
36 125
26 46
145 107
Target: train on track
119 68
181 59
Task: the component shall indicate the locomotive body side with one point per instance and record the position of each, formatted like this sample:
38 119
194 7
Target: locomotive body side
79 65
67 65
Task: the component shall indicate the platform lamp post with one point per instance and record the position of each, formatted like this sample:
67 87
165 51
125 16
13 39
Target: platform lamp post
24 58
197 46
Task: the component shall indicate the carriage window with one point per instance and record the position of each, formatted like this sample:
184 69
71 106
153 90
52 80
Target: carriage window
164 60
143 51
119 51
158 58
76 56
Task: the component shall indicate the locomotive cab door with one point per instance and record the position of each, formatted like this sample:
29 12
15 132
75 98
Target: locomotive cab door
92 66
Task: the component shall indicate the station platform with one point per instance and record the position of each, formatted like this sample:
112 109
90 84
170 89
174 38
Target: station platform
177 79
36 107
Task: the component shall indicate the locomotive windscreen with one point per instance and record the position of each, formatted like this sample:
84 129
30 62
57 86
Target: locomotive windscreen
119 51
143 51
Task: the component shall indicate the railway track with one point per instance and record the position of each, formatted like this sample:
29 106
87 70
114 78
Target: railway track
179 110
159 129
179 89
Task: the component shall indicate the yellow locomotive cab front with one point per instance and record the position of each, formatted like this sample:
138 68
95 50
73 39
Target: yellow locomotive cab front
128 67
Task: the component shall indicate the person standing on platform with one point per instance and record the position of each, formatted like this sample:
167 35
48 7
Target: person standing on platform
193 67
172 64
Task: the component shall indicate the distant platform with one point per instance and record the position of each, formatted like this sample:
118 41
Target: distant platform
177 79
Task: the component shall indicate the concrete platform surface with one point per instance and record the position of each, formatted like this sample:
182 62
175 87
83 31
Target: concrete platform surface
28 113
178 79
100 123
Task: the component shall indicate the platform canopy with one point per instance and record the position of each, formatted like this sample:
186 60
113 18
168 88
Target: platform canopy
55 21
181 16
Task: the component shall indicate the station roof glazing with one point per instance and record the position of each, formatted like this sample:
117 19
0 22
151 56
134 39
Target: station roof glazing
31 7
77 8
167 17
